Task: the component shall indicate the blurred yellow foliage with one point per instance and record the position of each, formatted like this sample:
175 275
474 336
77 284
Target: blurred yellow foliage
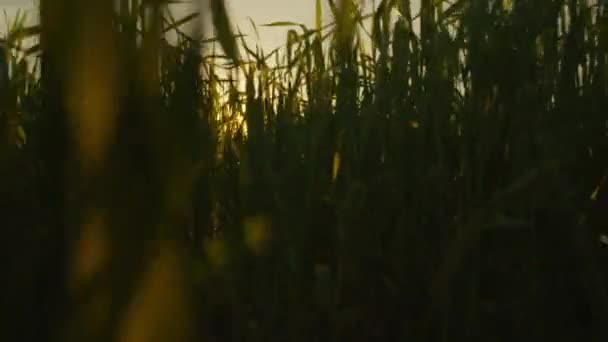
216 252
92 94
258 233
96 313
160 310
92 249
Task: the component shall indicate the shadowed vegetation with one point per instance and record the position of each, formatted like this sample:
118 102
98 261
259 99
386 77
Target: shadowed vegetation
431 173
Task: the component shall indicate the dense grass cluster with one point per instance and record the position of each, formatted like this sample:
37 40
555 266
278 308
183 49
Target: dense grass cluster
438 178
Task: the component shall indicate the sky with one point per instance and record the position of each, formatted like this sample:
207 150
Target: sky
260 11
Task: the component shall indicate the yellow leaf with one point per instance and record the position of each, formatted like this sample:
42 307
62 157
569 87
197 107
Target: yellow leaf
336 166
597 189
21 136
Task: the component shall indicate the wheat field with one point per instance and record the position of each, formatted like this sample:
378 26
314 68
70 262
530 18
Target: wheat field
408 174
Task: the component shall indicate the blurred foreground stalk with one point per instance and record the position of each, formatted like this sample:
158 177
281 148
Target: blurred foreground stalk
107 174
